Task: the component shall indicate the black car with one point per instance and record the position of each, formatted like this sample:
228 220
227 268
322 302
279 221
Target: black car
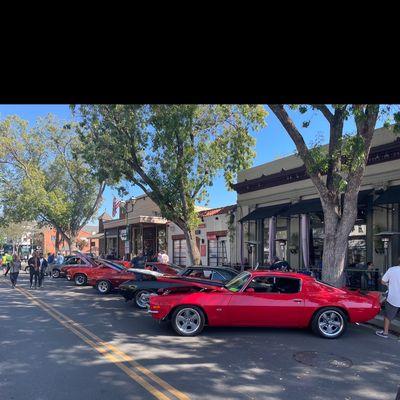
140 290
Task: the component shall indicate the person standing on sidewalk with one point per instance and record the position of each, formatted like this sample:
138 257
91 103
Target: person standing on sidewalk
14 269
34 269
392 304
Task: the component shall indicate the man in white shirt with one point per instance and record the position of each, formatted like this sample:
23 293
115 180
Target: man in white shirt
164 257
392 305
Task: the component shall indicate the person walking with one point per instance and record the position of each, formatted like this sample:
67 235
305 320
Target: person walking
14 269
392 305
34 269
7 258
42 269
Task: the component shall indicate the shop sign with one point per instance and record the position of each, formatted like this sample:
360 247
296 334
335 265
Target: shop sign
122 234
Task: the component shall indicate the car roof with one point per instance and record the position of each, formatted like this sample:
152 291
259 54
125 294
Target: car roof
296 275
202 267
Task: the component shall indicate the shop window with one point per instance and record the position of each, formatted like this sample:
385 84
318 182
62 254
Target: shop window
161 238
179 252
317 239
217 251
357 246
137 240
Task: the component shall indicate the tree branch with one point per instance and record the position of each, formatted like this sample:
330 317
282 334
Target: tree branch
301 146
325 111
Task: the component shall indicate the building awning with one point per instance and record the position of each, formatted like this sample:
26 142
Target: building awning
315 206
390 196
97 235
363 196
265 212
304 207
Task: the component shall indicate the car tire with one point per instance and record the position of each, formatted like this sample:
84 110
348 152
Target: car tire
55 273
103 287
329 322
194 323
139 301
80 279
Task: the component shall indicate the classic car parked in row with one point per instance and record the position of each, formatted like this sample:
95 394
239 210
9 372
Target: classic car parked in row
105 277
267 299
72 261
140 290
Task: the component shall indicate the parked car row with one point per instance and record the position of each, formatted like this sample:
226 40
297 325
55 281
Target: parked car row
190 298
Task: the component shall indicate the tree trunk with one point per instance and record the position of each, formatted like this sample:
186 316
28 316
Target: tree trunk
333 259
71 241
57 242
337 231
191 245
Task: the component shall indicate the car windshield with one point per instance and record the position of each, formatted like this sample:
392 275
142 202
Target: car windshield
237 283
112 265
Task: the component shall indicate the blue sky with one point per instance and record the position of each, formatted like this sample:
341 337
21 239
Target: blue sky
272 142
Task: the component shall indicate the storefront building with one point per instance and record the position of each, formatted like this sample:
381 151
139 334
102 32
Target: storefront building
144 229
280 212
141 229
215 238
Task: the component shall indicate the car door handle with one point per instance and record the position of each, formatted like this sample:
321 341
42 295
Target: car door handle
297 300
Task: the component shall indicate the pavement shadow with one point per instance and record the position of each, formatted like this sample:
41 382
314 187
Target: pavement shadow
234 363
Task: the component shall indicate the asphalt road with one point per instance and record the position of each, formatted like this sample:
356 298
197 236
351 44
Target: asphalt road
64 342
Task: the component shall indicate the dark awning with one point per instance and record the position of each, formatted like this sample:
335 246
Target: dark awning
391 195
315 206
265 212
304 207
363 197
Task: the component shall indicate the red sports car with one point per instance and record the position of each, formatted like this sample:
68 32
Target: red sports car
267 299
104 278
77 260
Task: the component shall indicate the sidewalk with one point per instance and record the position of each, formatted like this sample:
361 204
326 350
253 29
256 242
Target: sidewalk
394 325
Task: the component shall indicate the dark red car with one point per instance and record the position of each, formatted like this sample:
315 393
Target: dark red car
77 260
105 277
267 299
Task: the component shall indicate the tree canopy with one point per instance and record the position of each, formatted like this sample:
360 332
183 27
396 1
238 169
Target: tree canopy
172 152
43 176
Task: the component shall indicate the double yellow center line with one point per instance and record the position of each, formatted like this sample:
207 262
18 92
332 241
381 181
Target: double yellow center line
123 361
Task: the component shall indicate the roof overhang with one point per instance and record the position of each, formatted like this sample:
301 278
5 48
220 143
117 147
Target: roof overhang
140 219
389 196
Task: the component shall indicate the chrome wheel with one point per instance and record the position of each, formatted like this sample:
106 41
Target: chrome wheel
80 280
188 321
103 287
330 323
143 298
55 273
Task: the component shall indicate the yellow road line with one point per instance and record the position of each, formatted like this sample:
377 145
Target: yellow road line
127 358
110 352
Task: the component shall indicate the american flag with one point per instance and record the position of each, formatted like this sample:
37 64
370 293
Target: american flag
116 204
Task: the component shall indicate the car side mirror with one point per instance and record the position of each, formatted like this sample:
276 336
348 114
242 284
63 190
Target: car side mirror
250 290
